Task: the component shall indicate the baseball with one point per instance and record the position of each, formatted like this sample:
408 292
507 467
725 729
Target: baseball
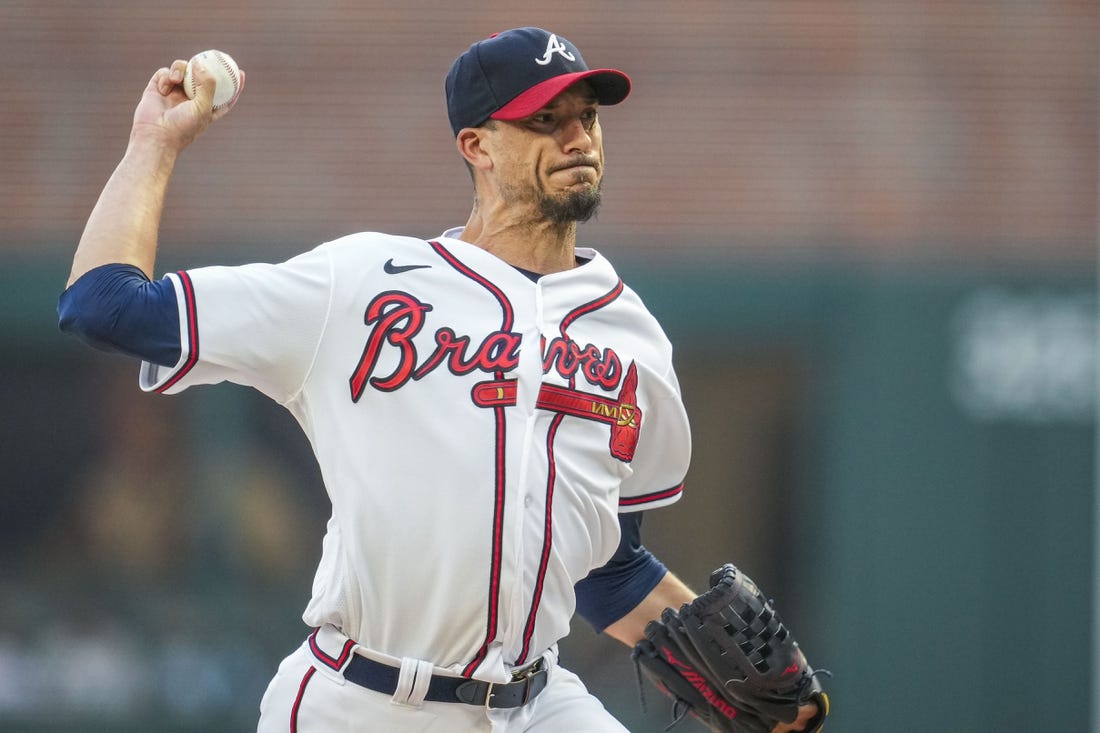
225 71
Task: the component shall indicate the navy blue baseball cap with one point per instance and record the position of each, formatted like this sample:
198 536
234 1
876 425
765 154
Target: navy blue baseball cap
513 74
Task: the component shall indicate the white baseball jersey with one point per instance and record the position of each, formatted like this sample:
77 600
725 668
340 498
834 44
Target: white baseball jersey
477 431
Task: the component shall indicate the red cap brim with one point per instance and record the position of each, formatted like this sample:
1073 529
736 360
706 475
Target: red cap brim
611 86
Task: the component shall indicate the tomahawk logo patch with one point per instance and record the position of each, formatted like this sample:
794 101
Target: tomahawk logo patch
621 414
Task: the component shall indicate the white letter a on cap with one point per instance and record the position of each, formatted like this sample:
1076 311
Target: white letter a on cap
554 46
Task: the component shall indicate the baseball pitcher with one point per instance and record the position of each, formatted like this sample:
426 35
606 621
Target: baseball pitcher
491 410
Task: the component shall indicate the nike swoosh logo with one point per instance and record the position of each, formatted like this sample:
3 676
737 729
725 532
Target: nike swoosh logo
393 269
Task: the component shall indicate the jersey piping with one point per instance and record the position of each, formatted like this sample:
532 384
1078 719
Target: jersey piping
492 621
571 317
336 663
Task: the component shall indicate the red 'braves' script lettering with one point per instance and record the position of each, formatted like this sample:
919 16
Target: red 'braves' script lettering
600 368
396 318
498 351
700 683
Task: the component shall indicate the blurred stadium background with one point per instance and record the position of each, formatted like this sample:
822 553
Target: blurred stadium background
869 227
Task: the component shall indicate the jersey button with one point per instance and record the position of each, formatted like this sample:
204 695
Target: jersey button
527 500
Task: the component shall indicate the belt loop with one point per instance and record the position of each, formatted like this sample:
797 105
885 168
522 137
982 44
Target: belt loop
489 696
412 682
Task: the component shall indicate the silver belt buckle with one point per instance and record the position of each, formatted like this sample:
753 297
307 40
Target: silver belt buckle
527 672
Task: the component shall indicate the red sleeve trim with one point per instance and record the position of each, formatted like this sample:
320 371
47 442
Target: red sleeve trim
192 332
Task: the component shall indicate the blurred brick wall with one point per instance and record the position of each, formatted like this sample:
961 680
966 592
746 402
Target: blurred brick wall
887 130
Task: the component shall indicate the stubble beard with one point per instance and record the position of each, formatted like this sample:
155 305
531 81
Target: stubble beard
572 206
568 207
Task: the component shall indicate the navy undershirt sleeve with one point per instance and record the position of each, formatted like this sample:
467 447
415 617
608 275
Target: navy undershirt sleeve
611 592
117 308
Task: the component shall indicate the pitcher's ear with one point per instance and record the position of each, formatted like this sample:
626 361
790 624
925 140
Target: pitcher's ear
473 146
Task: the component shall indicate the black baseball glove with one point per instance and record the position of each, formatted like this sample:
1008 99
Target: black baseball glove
728 660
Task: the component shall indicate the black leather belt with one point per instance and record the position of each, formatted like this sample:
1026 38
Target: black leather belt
383 678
